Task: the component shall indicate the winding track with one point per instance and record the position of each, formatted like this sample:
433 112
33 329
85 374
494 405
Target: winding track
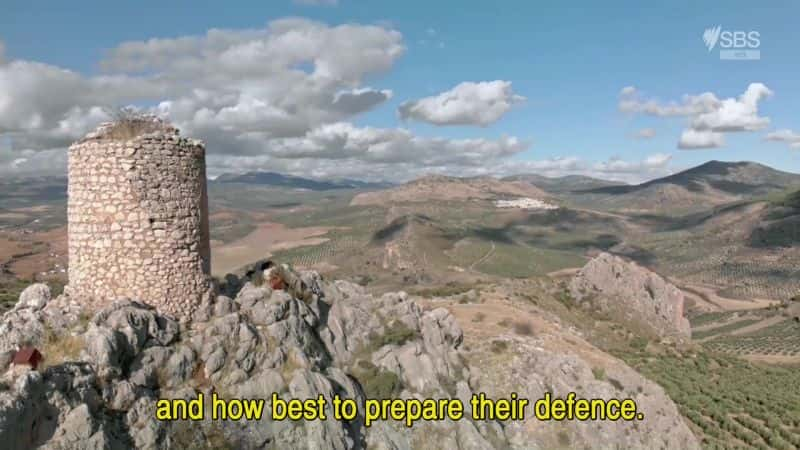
484 257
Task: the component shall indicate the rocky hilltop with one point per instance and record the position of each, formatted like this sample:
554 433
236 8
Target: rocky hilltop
103 375
633 294
444 188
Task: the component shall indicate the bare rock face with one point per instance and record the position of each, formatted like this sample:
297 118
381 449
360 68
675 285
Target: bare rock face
558 362
633 294
34 297
59 408
344 342
34 315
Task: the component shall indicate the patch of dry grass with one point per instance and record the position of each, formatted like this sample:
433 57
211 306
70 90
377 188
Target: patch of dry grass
60 348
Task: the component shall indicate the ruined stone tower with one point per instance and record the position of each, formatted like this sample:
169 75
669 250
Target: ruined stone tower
138 217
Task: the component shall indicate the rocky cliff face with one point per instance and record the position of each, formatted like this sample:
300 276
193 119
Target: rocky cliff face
263 342
632 294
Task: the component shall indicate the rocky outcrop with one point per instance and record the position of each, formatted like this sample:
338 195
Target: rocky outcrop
34 316
558 362
260 341
633 294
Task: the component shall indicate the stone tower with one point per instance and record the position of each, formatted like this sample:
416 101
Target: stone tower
138 217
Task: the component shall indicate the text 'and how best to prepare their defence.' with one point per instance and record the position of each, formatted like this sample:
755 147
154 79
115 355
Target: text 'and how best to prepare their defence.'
407 410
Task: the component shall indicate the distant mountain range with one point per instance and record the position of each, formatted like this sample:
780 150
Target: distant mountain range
710 184
281 180
732 178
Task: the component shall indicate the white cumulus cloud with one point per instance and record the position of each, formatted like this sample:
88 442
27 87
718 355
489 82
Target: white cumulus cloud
393 145
631 102
232 88
615 168
734 115
279 98
694 139
789 137
708 116
467 103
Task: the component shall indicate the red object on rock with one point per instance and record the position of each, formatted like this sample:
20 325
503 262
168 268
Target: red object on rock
29 356
277 284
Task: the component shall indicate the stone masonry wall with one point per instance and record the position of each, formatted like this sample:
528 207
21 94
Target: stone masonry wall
138 221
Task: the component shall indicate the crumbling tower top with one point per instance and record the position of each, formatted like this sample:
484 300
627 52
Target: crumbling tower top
128 125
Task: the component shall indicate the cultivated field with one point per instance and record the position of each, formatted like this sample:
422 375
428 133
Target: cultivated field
730 402
262 242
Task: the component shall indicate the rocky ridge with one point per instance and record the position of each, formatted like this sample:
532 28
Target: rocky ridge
444 188
262 341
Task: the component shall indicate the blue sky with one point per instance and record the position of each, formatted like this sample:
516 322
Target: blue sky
570 62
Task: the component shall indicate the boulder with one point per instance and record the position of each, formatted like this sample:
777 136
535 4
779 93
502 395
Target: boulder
34 297
634 295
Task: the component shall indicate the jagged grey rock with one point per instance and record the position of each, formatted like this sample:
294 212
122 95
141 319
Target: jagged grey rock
536 366
634 294
60 408
34 315
223 306
264 342
34 297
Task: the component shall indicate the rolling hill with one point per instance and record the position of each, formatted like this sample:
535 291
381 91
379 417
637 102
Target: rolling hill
567 183
444 188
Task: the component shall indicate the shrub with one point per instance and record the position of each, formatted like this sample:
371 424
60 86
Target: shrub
639 343
523 328
206 436
499 346
599 373
364 280
397 333
616 383
565 297
377 383
449 290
